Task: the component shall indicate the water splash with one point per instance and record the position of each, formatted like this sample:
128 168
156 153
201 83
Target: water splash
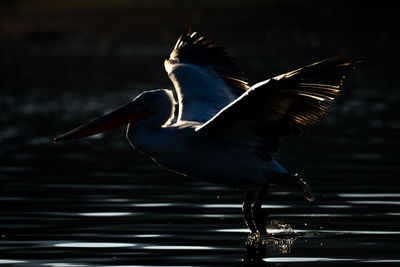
279 240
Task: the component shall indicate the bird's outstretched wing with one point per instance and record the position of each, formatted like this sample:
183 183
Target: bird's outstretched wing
284 104
205 78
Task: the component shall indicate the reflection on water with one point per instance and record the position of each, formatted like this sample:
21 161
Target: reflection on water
316 259
105 214
369 195
311 233
11 261
304 259
54 228
239 206
94 245
374 202
180 247
90 215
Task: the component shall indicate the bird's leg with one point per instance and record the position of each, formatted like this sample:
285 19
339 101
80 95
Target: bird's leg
259 215
246 208
294 182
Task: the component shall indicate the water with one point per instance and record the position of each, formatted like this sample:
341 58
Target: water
137 218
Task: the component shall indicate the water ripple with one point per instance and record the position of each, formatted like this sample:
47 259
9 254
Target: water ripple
4 261
180 247
374 202
152 205
318 259
94 245
304 259
106 214
239 206
63 264
332 232
368 195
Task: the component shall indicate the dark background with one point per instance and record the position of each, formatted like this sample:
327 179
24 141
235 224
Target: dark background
80 45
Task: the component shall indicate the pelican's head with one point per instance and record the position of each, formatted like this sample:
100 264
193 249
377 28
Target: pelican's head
156 103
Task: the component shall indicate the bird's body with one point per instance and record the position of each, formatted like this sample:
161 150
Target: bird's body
180 148
218 128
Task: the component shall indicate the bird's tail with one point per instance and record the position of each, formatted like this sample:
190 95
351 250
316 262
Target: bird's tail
294 182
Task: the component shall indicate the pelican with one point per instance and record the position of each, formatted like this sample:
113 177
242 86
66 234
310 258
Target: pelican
219 128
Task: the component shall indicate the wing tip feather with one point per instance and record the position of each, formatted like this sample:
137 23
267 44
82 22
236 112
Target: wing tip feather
192 47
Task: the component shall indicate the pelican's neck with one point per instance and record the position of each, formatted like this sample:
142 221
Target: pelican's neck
155 122
143 131
146 135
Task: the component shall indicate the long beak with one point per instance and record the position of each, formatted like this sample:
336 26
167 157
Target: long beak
130 112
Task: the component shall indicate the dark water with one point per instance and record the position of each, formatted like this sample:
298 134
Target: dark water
97 202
